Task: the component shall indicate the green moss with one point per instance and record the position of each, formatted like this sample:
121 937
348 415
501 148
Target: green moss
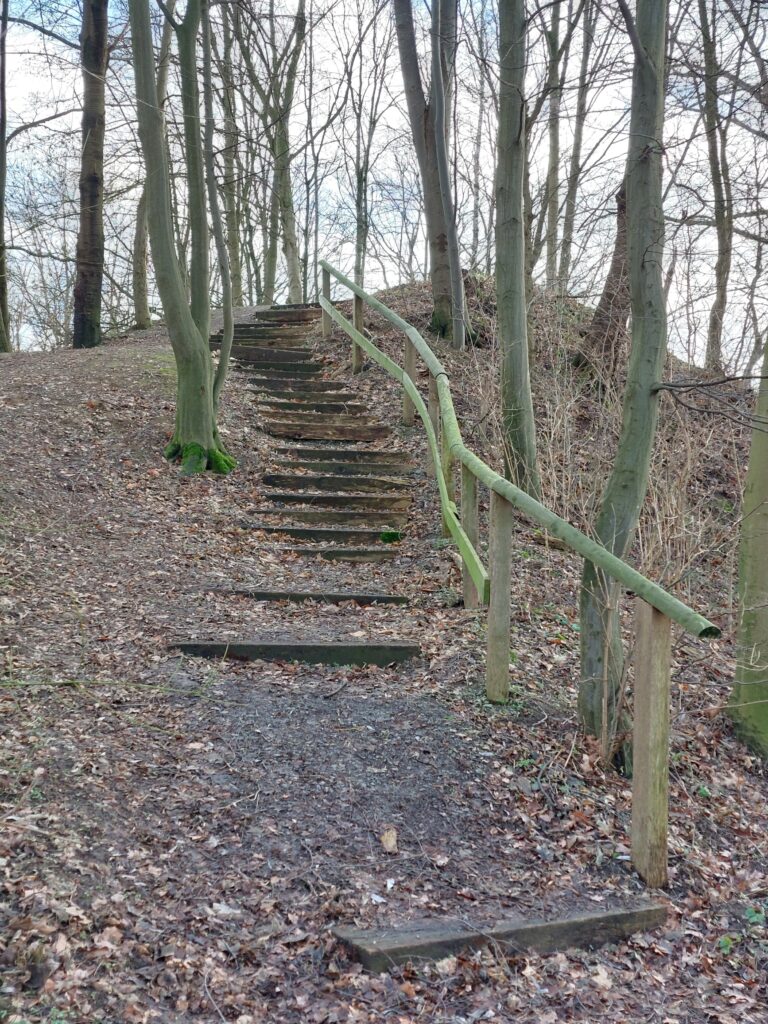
220 462
196 459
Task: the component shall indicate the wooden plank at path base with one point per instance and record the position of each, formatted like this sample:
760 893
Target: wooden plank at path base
320 653
378 949
315 595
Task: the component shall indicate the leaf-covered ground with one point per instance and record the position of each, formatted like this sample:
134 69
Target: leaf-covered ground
179 837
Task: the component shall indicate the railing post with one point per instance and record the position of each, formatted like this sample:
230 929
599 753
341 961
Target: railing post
327 297
357 323
446 460
409 366
469 523
434 416
500 566
650 745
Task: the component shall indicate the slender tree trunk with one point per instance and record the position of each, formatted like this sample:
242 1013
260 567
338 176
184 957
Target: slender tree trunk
272 239
718 169
607 331
553 130
446 189
195 440
477 151
217 221
517 408
601 655
199 262
141 313
230 182
749 700
94 56
574 172
287 211
5 326
422 123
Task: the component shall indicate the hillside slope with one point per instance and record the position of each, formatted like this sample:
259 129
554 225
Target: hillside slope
180 837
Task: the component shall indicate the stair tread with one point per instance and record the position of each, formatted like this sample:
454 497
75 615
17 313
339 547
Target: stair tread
326 597
330 652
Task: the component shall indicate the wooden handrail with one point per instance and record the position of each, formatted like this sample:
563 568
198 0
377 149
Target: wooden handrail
656 608
656 596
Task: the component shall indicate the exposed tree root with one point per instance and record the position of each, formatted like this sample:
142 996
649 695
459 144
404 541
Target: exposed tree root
194 458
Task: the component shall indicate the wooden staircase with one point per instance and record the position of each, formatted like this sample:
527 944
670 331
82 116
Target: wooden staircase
332 495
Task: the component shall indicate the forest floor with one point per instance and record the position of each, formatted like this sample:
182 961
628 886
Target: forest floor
178 837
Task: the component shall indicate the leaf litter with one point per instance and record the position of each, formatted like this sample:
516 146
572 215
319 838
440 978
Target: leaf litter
179 837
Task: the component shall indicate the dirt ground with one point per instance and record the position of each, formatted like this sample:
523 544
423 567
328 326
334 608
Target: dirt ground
179 837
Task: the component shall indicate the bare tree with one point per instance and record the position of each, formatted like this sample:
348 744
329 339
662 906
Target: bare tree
94 49
601 654
517 407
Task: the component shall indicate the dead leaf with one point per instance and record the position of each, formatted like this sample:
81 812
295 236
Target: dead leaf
389 839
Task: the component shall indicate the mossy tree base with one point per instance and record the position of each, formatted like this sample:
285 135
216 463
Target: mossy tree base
194 458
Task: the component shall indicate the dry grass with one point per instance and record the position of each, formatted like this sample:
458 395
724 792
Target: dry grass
687 533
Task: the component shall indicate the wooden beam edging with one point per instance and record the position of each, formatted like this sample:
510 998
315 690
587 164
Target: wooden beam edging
652 593
470 557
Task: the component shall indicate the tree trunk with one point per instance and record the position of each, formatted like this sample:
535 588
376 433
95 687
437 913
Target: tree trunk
195 440
607 331
718 169
517 408
230 182
272 239
141 313
422 124
199 260
5 327
574 172
94 56
438 104
553 130
287 212
749 700
601 656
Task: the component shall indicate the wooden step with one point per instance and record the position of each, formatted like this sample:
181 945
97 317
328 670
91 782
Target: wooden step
267 330
363 502
344 454
299 360
355 484
289 314
350 469
287 386
379 949
341 536
343 554
320 653
273 405
343 419
300 397
267 352
322 597
379 521
320 431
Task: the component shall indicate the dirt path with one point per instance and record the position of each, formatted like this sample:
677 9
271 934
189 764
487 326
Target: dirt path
179 837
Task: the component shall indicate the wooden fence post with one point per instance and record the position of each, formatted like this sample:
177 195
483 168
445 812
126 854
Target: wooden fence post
358 323
446 459
327 296
409 366
650 745
434 416
500 567
469 523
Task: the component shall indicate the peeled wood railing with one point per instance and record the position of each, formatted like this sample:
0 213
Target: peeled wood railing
655 611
